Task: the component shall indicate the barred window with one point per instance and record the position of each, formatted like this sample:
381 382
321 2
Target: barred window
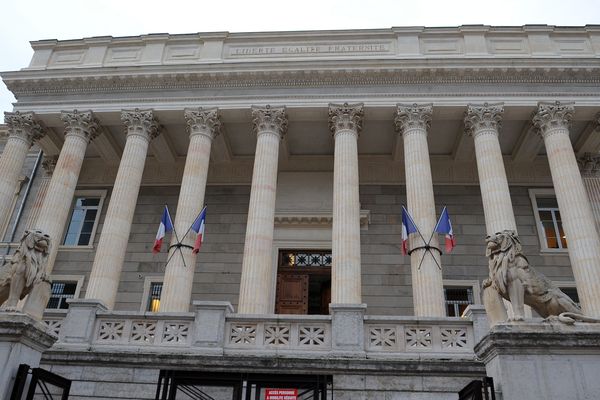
457 300
154 296
60 292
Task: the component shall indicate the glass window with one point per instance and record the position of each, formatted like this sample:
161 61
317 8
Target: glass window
59 293
457 300
551 223
154 296
82 222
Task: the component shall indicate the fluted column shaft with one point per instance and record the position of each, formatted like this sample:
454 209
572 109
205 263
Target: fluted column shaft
80 128
428 289
203 126
23 131
48 164
110 254
257 266
483 123
552 120
345 122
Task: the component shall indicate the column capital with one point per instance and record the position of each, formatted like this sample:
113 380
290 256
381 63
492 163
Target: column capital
23 126
269 119
49 163
589 164
410 116
203 121
550 116
345 117
80 123
483 117
140 122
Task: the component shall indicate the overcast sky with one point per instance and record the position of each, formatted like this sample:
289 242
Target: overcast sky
28 20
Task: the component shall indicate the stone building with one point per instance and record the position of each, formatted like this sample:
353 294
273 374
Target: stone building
303 146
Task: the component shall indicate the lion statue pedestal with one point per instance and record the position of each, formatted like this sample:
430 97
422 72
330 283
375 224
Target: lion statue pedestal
23 336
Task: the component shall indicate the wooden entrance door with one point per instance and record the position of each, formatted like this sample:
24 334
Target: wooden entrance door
292 294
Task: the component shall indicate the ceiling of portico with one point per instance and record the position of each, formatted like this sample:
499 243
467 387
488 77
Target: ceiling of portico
308 134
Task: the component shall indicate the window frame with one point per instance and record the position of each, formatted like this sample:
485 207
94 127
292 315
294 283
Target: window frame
67 278
148 281
101 194
534 194
463 283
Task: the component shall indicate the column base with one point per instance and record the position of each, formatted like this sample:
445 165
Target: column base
22 341
535 360
347 329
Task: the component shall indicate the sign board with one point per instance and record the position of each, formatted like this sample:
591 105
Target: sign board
281 394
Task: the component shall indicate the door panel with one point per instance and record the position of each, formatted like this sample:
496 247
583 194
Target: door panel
292 294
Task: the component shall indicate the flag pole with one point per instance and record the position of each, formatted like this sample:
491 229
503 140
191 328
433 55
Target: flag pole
178 244
426 244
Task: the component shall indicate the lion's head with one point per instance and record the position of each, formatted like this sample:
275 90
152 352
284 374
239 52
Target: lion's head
35 240
501 242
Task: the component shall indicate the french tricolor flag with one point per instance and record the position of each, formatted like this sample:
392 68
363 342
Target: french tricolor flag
444 226
408 227
166 225
198 227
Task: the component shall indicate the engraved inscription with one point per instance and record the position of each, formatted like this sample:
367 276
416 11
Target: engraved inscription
324 49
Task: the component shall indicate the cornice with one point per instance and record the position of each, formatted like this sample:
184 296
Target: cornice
384 73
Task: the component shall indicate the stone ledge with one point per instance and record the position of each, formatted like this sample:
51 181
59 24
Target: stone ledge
539 338
268 363
18 327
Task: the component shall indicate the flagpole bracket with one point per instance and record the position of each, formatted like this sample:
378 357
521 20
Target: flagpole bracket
180 245
426 248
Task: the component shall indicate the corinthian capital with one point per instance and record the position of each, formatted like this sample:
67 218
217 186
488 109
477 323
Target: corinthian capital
23 126
140 122
483 117
589 164
552 115
203 121
345 116
410 116
272 119
49 163
80 123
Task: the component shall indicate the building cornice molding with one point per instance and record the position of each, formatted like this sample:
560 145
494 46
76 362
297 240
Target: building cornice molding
126 80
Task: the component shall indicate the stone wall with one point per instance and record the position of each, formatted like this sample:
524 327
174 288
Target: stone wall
386 273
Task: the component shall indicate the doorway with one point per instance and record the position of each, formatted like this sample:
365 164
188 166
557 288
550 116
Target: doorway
303 282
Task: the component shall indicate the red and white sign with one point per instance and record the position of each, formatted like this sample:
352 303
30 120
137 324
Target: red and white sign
281 394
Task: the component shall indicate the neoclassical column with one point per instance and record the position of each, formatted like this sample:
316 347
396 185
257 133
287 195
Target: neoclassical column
80 128
141 128
345 123
203 125
483 123
48 165
552 121
589 165
270 124
23 130
412 122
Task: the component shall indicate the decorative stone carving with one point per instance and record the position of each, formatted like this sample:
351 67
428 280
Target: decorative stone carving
345 117
24 126
49 163
81 123
271 119
409 116
483 118
203 121
552 115
26 270
516 281
141 122
589 164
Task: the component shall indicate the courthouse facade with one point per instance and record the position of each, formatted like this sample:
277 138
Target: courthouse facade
303 146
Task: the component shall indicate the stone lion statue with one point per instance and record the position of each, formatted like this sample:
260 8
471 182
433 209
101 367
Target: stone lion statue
25 270
516 281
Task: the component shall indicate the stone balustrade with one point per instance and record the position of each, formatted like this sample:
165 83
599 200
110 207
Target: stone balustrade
213 328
